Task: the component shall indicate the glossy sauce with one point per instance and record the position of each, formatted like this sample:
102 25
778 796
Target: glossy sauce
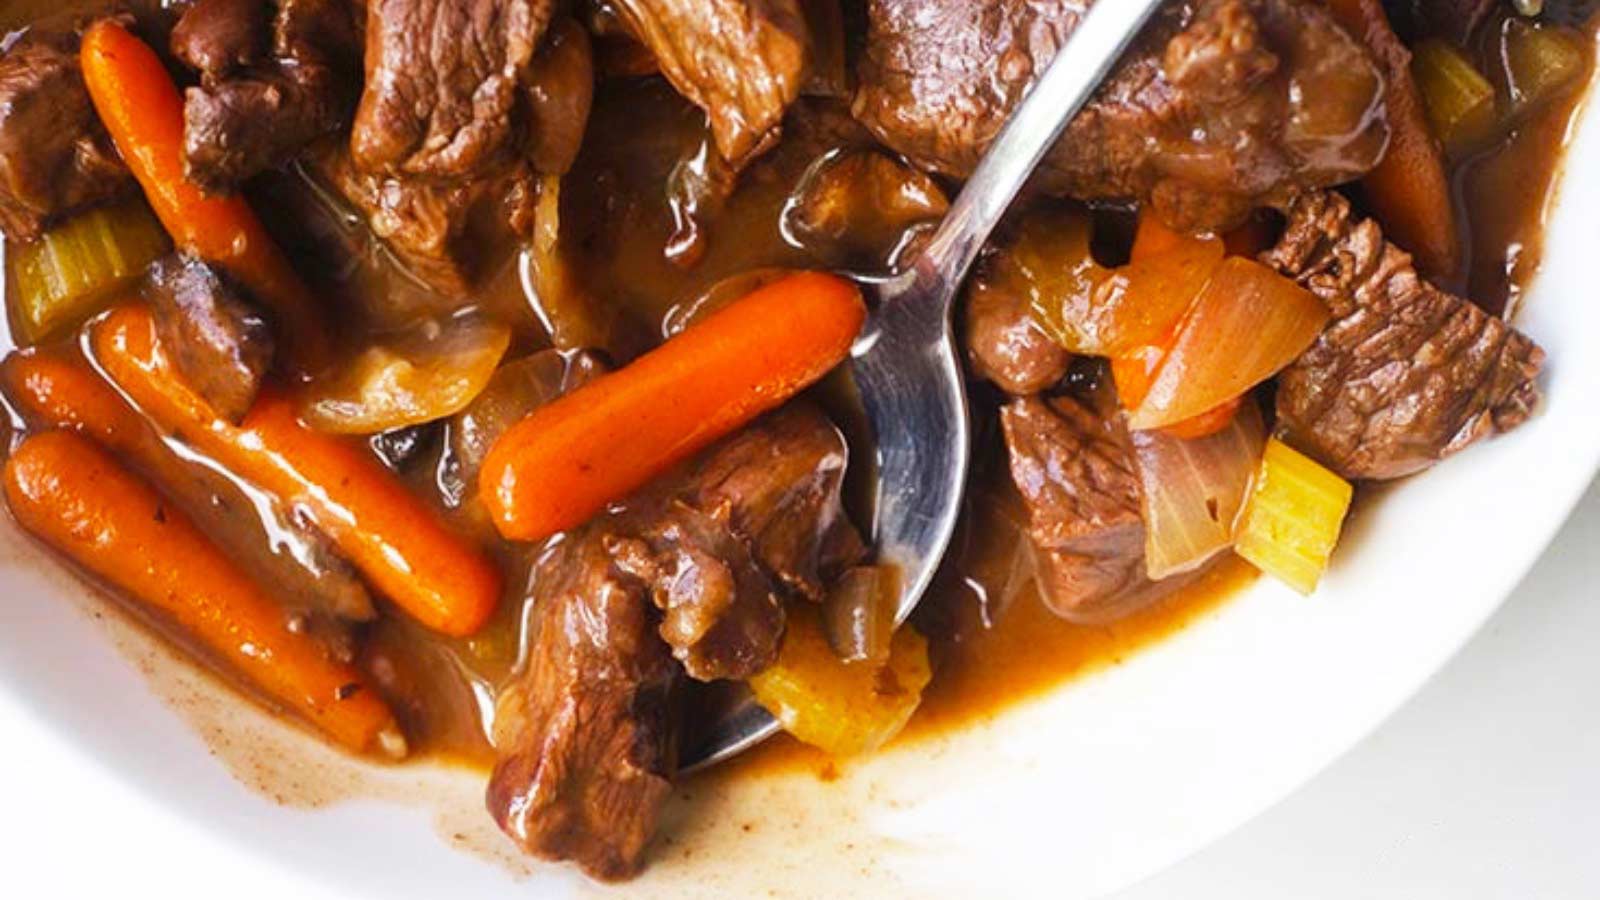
994 642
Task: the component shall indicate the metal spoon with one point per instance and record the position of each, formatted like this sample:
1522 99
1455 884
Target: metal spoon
906 364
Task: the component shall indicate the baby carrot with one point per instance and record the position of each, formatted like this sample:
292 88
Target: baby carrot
71 494
65 394
387 533
143 113
566 461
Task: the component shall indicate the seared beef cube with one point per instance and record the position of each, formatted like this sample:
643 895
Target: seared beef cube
757 517
254 109
742 61
587 731
219 37
221 343
427 224
1076 476
1405 374
1004 343
780 481
246 125
720 613
443 79
55 157
1220 106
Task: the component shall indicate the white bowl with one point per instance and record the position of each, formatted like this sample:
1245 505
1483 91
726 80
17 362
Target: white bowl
1081 791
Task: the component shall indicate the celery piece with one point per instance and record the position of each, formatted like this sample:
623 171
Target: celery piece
1459 100
1540 60
1291 521
68 274
842 708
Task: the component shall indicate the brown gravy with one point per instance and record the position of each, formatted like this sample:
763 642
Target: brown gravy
995 643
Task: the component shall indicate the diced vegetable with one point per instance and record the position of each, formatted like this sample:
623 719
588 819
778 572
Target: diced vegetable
842 708
415 379
74 496
75 268
389 534
858 615
1247 323
1193 490
1292 519
565 462
1459 100
1093 310
1540 61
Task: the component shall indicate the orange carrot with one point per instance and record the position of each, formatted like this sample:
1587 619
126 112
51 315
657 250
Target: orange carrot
143 113
65 394
390 536
1409 191
566 461
71 494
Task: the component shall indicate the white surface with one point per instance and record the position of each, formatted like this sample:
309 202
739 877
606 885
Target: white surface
1484 786
1487 785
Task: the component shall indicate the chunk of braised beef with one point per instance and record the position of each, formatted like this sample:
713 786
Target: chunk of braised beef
1076 476
218 37
221 342
1004 343
1405 374
742 61
267 88
586 733
443 80
1221 105
435 229
720 613
55 157
781 481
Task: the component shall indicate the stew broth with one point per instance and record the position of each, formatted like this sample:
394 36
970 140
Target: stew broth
994 641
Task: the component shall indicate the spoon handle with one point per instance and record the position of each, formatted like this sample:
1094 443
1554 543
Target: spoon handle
1089 53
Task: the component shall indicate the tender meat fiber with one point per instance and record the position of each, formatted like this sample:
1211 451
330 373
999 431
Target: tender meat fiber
781 481
1405 374
435 229
443 81
55 158
1077 479
742 61
1222 105
266 89
756 518
219 37
1004 344
721 614
587 732
221 343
